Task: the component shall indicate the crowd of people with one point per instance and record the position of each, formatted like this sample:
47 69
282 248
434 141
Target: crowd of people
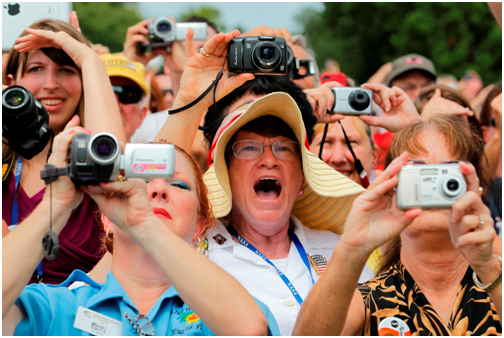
281 217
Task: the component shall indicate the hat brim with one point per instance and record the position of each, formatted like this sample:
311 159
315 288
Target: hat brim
327 195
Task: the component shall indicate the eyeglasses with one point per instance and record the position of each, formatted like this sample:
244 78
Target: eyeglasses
250 149
128 94
143 325
420 162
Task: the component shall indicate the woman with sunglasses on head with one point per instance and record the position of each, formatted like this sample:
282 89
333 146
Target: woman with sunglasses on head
438 275
56 64
159 283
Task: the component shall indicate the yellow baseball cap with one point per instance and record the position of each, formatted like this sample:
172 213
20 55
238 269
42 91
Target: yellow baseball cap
118 65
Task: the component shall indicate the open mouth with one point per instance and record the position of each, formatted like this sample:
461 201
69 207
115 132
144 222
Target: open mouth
268 188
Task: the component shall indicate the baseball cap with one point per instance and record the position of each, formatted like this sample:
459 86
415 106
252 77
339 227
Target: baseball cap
118 65
411 62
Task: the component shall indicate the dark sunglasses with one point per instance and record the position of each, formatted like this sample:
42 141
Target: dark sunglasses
128 94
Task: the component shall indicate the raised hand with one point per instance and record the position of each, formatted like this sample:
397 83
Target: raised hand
322 98
471 226
135 35
374 218
399 110
439 105
63 189
39 38
200 71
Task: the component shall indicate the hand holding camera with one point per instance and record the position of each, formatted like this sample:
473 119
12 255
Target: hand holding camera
322 100
399 110
374 218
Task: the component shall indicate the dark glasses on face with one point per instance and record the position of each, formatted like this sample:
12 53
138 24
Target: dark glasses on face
128 94
165 91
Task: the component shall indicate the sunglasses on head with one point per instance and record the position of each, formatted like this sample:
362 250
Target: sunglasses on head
128 94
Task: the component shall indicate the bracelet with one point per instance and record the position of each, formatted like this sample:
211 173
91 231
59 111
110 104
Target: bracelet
493 285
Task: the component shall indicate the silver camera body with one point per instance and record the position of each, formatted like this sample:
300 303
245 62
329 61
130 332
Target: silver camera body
98 158
164 30
352 101
430 186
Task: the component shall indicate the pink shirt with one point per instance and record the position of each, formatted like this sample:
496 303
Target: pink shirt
81 245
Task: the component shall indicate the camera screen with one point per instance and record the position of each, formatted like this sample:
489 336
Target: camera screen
267 53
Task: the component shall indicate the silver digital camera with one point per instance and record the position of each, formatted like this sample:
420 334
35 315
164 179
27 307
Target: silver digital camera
163 32
430 186
98 158
352 101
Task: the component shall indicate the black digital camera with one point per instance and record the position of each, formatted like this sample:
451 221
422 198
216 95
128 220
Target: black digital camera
98 158
262 55
25 122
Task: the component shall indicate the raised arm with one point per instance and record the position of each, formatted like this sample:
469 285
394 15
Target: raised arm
372 221
22 249
200 71
220 301
101 113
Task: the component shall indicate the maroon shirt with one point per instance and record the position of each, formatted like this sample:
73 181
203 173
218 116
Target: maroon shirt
81 245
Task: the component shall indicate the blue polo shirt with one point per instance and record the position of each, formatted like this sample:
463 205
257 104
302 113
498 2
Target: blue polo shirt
51 309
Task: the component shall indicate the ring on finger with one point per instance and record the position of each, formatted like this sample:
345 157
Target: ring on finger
202 52
481 222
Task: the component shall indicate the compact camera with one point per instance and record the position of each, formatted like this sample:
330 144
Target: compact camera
430 186
163 32
352 101
98 158
25 122
264 55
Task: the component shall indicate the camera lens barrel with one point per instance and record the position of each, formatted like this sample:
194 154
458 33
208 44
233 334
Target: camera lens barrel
104 148
266 56
451 186
359 100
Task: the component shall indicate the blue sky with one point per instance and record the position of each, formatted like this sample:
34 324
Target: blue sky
244 14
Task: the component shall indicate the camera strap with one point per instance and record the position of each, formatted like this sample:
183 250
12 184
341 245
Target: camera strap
357 163
205 93
14 215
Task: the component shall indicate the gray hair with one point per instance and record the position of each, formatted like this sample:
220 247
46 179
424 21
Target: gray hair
300 40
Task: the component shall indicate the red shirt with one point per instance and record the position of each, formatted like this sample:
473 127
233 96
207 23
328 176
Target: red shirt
81 245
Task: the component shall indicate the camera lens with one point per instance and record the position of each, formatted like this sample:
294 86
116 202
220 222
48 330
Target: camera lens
452 185
104 148
359 100
15 98
266 56
163 27
267 53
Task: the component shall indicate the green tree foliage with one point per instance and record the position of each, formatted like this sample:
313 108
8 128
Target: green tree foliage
364 36
207 12
106 22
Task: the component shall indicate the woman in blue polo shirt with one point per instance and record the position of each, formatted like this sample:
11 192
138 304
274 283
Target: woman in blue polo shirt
159 284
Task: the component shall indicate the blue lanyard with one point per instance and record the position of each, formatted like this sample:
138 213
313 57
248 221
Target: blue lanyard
14 217
301 252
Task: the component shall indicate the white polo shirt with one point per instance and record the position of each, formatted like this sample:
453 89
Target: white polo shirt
262 280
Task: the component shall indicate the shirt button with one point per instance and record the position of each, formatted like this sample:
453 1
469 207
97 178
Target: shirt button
289 302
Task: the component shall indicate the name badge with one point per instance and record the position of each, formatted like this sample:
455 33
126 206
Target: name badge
96 324
392 326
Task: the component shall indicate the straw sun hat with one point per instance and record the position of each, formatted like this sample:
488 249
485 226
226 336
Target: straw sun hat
327 194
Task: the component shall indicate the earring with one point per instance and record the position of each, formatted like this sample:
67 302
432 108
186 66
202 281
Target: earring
301 193
109 236
202 246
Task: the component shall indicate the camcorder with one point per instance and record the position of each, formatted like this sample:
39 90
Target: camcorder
25 122
266 55
352 101
95 159
430 186
163 32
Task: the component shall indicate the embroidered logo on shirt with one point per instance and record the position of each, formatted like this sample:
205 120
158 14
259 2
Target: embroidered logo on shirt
219 239
188 317
321 262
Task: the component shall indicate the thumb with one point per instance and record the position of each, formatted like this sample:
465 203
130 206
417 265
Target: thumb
189 45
